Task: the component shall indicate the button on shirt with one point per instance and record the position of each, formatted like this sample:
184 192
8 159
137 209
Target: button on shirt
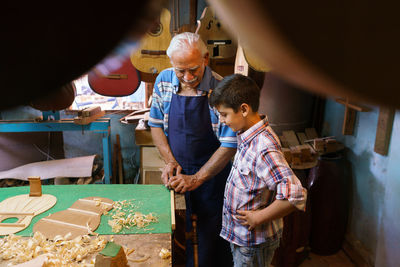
260 174
167 84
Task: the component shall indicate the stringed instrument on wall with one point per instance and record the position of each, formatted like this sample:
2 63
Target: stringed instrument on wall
219 42
255 62
123 80
151 56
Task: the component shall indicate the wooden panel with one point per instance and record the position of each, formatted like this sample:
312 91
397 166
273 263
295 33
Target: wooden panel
302 137
151 157
143 138
291 138
348 121
384 130
151 176
311 133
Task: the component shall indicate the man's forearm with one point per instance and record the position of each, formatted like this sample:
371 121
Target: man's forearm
216 163
161 142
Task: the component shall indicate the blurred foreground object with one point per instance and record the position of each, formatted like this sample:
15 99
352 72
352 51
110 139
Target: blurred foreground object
46 47
340 48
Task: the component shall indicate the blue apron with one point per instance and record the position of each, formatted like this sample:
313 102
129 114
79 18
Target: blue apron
193 142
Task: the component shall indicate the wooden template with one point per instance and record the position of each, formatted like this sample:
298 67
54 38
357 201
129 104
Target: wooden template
24 208
384 130
80 219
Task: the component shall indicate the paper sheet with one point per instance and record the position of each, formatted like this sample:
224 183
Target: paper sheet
72 167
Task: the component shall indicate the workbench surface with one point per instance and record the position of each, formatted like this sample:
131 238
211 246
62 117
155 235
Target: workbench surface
150 198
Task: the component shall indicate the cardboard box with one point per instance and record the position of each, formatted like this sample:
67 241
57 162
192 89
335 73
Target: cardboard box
143 137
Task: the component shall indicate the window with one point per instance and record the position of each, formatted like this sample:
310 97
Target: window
86 97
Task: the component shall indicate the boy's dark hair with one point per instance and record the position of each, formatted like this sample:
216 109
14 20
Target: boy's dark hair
234 90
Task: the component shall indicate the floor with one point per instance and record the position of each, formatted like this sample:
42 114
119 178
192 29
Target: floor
339 259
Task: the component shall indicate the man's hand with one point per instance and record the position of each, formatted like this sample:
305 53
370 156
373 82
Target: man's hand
169 170
182 183
249 218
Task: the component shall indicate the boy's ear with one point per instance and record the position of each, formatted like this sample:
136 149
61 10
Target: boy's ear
244 109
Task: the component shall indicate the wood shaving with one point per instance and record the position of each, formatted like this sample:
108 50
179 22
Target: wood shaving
141 259
165 254
60 252
124 215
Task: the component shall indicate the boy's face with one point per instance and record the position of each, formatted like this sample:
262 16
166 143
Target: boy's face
235 120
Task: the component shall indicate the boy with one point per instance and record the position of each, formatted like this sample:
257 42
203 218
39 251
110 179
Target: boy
261 188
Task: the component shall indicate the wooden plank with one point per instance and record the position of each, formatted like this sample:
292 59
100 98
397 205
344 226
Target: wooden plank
119 160
114 174
311 133
384 130
302 137
87 120
172 209
356 107
291 138
348 121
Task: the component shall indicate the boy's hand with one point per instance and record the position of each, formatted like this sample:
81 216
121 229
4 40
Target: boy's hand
248 217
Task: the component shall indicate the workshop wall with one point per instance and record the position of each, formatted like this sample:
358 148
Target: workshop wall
375 197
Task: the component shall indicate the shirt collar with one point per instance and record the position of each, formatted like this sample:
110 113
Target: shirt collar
253 131
204 84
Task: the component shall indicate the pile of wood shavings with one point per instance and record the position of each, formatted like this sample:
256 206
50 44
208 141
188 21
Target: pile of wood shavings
124 215
60 252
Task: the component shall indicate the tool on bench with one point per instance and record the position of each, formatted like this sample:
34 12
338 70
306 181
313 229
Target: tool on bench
88 115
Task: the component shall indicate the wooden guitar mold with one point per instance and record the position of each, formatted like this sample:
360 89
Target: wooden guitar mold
81 218
24 208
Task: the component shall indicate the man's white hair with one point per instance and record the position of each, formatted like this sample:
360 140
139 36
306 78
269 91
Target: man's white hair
186 41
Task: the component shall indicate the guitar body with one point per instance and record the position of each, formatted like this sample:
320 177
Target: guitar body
255 62
219 42
24 208
121 81
81 218
151 57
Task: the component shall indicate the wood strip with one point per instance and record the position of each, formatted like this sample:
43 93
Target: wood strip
92 200
173 210
17 213
352 105
13 224
83 211
65 223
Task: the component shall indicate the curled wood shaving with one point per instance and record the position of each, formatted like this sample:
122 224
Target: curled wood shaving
141 259
165 253
60 252
124 215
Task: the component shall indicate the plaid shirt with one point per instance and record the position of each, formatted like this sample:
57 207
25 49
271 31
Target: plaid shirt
258 169
167 84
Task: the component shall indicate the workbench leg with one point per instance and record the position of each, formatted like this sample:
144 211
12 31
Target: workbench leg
107 157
